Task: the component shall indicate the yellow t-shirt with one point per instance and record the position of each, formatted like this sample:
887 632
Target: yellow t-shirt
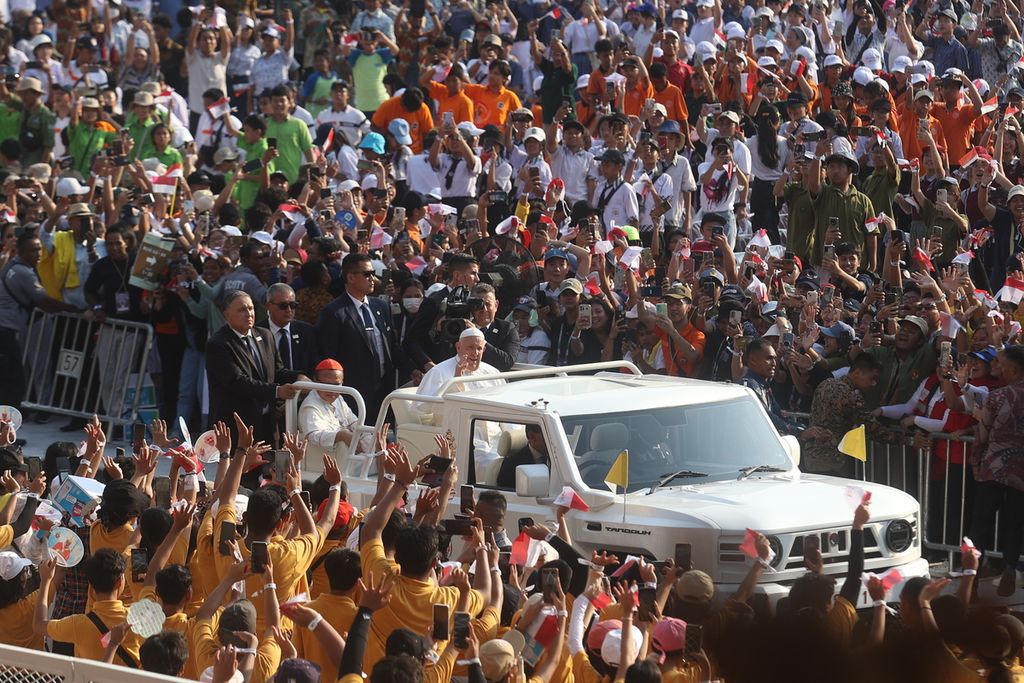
290 558
686 672
80 630
338 611
16 623
203 646
179 622
841 620
117 539
177 556
203 564
6 535
583 671
411 604
441 671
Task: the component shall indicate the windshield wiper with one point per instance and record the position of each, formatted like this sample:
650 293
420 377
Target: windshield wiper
747 471
675 475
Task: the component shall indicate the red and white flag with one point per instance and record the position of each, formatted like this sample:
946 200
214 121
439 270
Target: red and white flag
380 239
949 326
968 547
719 40
871 225
165 184
757 290
630 259
889 580
175 171
747 84
592 286
760 239
990 105
602 247
416 265
1012 291
922 257
856 496
509 225
749 546
219 108
292 213
985 298
328 141
799 67
570 499
555 14
964 258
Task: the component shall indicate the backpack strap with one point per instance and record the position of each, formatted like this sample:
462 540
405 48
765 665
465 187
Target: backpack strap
128 660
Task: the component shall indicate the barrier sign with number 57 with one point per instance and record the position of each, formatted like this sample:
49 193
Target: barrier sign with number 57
69 363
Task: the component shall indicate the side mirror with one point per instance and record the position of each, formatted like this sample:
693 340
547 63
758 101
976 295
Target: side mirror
532 481
792 446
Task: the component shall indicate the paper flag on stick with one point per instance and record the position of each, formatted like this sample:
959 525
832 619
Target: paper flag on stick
760 239
856 496
618 475
854 444
219 108
889 580
570 499
602 247
630 258
520 550
749 547
1012 291
968 547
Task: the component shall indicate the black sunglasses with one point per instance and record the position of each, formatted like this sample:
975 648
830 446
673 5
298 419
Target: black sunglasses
285 305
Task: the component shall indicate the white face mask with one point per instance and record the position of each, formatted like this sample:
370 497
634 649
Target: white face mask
412 305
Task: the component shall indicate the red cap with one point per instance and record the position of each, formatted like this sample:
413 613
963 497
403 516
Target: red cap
329 364
599 631
345 511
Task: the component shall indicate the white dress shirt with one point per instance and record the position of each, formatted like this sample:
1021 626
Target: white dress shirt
621 208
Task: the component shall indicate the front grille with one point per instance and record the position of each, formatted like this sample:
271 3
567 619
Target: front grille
834 543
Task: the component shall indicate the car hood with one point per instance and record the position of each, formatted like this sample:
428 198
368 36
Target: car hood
774 502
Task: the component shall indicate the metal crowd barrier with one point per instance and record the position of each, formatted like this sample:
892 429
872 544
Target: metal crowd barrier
80 367
946 502
19 665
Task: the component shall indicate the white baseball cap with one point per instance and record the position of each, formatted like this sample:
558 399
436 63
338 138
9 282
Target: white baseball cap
11 564
862 75
832 60
901 64
70 187
872 59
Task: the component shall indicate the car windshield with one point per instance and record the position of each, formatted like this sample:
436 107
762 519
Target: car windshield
708 442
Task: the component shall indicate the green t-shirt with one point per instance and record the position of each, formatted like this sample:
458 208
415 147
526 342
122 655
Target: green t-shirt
556 87
853 209
951 235
246 190
84 143
881 187
368 71
141 135
168 157
10 121
899 379
800 233
293 140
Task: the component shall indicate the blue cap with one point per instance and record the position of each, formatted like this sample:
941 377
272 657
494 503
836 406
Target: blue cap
987 354
556 253
840 331
809 279
647 8
400 129
373 142
670 127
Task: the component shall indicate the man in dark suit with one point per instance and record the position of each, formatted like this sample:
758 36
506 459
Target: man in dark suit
501 335
245 371
356 329
535 452
422 342
295 340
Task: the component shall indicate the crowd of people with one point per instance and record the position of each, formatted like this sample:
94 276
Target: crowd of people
821 201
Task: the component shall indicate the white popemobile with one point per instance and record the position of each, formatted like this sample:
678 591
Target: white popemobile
705 464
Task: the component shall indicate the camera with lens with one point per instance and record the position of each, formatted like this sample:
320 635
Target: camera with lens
456 308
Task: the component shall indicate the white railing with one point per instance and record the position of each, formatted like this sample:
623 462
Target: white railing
18 665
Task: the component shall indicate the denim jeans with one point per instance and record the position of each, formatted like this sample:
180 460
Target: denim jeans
193 367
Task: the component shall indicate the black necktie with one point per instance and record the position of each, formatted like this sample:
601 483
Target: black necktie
284 348
371 331
254 352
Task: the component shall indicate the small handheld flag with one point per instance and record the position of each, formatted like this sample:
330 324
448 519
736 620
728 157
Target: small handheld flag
854 444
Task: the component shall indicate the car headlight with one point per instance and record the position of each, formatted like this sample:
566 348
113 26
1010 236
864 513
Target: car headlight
899 535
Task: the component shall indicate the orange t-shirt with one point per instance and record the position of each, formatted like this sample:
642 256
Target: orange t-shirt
672 99
728 90
673 356
458 104
420 121
491 108
957 126
635 97
908 133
